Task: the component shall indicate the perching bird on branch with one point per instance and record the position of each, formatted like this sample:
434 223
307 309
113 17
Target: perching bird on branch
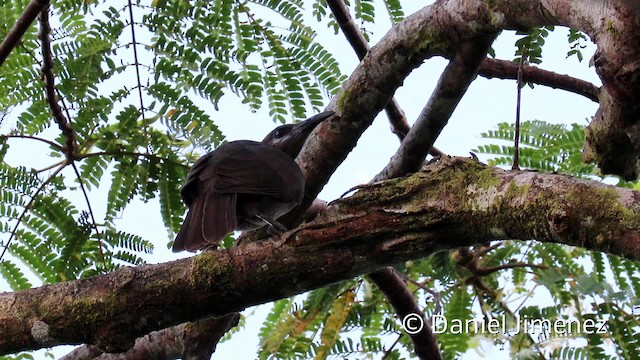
243 185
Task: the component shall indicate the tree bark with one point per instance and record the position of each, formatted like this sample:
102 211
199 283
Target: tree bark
436 30
448 204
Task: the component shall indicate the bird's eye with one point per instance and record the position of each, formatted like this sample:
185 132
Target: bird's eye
281 132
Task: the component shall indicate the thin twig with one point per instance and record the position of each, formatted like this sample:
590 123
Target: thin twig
129 153
28 206
22 136
483 271
49 84
51 166
390 349
516 140
436 295
137 65
93 219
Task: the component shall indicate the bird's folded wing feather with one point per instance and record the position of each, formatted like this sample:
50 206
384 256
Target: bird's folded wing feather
252 168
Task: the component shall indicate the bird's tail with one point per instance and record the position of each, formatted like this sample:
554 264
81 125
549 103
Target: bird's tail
210 218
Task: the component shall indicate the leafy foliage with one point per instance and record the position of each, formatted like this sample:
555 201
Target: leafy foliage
135 139
533 41
546 147
576 39
585 286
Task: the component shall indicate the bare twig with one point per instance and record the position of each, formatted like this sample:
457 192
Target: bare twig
50 88
93 219
387 352
49 167
23 136
436 295
483 271
516 140
469 259
137 65
17 31
130 153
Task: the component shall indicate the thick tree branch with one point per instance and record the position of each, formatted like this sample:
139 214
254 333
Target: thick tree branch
388 280
451 203
188 341
434 30
355 37
453 84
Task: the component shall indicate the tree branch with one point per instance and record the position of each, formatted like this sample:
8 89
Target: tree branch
391 284
23 136
503 69
355 37
194 340
434 31
50 87
453 84
17 31
388 280
451 203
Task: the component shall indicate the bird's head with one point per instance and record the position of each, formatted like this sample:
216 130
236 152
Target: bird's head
290 137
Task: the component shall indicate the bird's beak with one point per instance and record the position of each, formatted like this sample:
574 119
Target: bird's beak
304 128
291 137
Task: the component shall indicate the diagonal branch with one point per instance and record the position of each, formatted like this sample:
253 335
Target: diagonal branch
50 87
17 31
453 84
29 205
388 280
355 37
94 223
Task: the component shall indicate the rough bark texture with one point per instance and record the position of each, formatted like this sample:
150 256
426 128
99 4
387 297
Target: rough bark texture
436 29
452 203
187 341
613 137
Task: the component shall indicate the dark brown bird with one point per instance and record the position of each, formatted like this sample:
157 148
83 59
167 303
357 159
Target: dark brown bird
243 185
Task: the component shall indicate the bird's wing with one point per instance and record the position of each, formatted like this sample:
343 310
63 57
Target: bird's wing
249 167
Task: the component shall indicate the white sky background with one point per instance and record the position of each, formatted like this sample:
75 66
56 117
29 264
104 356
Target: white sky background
487 103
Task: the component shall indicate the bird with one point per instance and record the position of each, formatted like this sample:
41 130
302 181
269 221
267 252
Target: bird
243 185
